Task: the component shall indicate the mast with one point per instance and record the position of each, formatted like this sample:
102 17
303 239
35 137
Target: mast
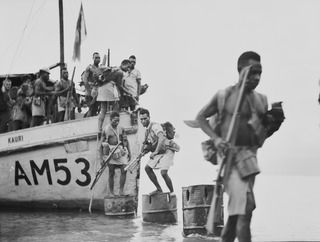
108 63
61 35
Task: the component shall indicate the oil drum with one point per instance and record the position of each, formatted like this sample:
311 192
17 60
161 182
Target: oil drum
159 208
196 202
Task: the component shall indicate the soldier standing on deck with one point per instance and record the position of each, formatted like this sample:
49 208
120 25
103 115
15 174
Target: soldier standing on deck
90 80
63 87
41 92
132 86
5 105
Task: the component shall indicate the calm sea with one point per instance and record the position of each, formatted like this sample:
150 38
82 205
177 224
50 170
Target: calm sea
288 209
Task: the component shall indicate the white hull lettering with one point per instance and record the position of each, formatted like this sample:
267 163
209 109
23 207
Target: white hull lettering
59 167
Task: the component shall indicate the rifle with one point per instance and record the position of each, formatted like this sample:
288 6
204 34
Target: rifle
69 95
134 163
103 166
227 158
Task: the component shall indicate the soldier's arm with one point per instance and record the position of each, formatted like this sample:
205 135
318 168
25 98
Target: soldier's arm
119 80
37 89
75 96
85 78
125 141
58 89
206 112
138 84
104 136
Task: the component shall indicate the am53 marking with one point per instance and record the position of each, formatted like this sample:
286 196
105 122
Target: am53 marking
59 167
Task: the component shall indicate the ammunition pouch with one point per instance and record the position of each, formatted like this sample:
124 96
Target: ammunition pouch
246 163
119 153
37 101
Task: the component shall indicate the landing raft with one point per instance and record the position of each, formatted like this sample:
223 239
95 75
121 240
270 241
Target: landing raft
159 208
196 202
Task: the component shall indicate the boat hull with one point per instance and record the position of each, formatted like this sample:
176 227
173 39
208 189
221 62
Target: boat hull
53 166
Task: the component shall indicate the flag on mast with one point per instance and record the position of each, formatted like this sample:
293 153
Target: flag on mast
81 32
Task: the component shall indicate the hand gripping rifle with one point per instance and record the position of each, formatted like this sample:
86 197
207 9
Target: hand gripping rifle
132 165
225 166
146 147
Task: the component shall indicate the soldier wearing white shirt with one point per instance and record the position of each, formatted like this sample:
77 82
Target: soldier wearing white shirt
131 85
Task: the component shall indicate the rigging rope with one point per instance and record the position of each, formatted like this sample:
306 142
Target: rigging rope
21 37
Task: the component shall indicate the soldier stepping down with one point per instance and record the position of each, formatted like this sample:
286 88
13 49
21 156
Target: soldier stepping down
159 141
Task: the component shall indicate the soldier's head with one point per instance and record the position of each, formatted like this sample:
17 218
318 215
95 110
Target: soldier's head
125 65
65 73
250 58
44 73
133 61
114 119
27 80
96 58
144 117
7 84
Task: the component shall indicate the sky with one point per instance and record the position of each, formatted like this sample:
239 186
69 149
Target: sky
187 50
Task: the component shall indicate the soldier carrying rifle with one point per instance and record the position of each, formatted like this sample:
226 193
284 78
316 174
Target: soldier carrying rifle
254 124
112 135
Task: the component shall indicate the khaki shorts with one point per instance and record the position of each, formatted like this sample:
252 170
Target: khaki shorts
162 161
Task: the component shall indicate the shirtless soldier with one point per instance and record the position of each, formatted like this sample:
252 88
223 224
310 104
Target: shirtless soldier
111 136
255 124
